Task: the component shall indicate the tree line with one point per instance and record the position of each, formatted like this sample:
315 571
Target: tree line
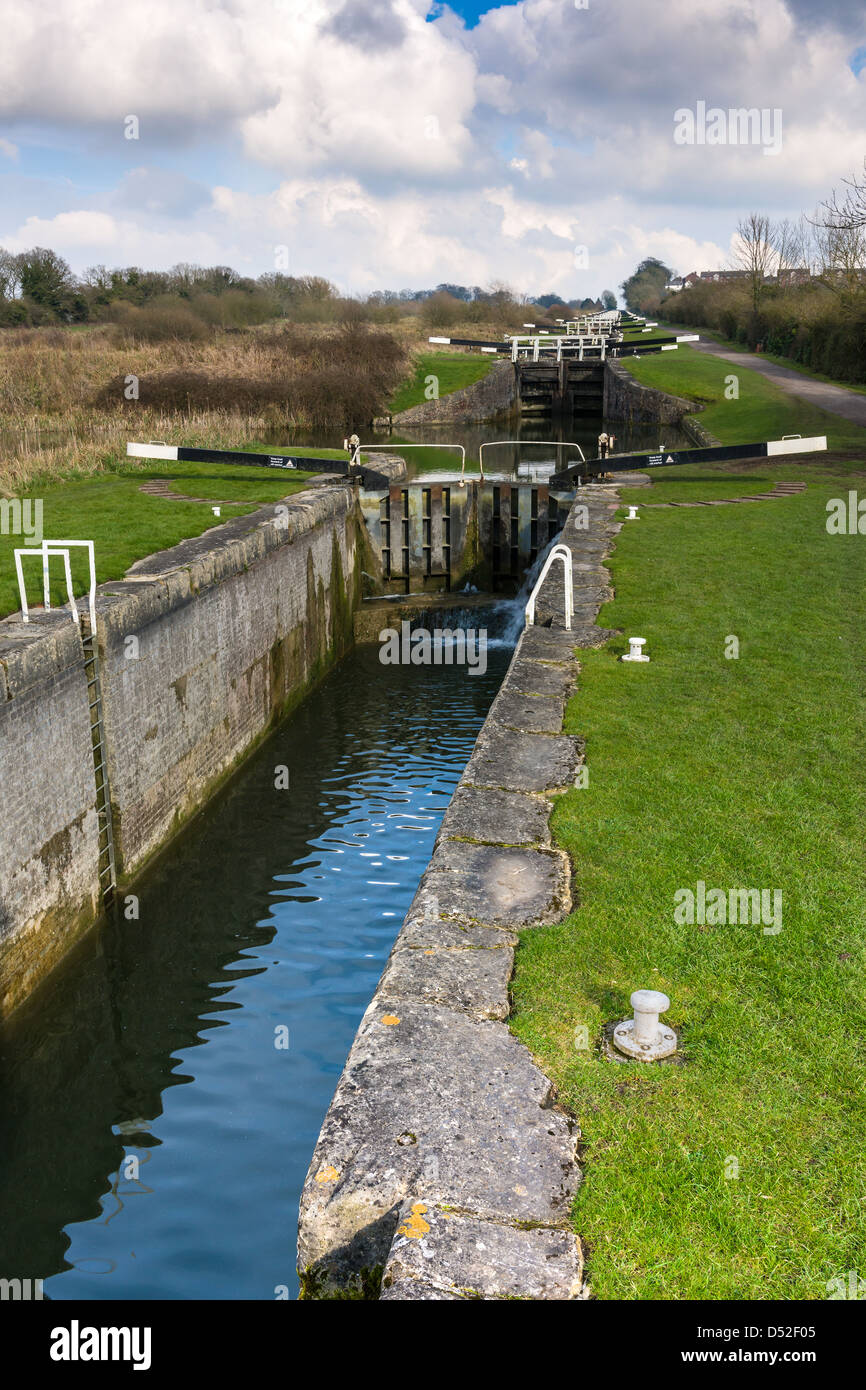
795 287
38 287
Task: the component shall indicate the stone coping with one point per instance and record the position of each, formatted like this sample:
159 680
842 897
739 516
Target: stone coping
444 1169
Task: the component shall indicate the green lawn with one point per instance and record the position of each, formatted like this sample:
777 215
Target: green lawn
762 411
739 773
126 524
453 371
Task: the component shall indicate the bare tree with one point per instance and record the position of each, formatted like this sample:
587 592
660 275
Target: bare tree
845 209
754 252
841 257
792 243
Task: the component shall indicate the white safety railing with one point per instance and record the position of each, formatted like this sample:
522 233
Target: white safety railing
584 347
398 449
559 552
45 551
545 443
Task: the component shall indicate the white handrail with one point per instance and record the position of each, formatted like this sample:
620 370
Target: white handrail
559 552
45 550
555 443
366 448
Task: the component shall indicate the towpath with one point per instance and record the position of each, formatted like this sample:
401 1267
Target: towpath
839 400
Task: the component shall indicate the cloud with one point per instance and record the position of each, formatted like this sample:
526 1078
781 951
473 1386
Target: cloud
388 150
8 150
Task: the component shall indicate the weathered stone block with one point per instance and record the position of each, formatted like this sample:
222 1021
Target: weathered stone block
473 980
497 817
500 887
466 1257
435 1103
524 762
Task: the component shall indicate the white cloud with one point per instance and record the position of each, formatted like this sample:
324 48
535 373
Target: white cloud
404 152
8 150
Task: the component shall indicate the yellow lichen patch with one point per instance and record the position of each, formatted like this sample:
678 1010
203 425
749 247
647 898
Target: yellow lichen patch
328 1174
415 1227
390 1018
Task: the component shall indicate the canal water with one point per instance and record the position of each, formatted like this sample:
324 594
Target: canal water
154 1130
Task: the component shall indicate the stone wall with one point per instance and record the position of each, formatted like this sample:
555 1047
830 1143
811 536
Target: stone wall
48 832
493 395
201 648
626 399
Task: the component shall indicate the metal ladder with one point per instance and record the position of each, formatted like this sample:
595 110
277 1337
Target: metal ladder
107 872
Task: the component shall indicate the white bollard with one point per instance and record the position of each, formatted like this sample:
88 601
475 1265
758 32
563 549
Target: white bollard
632 514
215 510
644 1037
634 652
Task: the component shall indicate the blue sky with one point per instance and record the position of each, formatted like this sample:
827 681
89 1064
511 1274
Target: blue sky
387 145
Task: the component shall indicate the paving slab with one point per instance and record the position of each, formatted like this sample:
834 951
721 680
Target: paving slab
547 644
541 714
471 1258
425 929
541 677
497 817
524 762
430 1101
513 888
473 980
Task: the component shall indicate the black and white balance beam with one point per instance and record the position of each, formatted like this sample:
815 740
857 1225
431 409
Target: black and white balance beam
177 453
621 463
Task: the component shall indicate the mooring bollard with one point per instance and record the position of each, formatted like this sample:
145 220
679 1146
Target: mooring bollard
644 1037
634 652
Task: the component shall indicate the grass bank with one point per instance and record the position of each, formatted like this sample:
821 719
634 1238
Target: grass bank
127 524
739 1173
761 410
453 372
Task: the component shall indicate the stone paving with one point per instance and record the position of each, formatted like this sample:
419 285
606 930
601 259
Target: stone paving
780 490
